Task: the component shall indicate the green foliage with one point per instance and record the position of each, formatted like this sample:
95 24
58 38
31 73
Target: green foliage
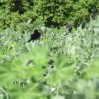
58 65
51 13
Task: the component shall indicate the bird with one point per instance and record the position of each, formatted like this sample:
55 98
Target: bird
69 26
35 35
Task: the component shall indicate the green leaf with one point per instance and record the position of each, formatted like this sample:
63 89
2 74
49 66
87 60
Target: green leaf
63 71
93 70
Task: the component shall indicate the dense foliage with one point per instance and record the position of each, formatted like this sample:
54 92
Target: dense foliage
60 65
14 13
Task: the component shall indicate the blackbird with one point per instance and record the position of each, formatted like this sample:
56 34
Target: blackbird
34 36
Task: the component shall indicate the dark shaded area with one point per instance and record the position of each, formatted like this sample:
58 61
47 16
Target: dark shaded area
31 2
34 36
76 1
1 4
50 62
17 6
50 23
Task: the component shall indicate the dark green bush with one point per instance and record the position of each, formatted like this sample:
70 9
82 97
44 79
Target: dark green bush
52 12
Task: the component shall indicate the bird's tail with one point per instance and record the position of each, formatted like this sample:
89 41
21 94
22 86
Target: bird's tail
29 40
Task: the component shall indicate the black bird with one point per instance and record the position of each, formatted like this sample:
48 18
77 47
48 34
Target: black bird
34 36
69 26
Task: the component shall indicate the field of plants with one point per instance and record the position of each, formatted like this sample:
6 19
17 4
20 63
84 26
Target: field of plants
59 65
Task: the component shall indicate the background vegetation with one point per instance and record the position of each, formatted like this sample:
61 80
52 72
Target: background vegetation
61 64
51 12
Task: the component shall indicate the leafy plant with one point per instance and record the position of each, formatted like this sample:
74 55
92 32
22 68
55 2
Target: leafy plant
58 65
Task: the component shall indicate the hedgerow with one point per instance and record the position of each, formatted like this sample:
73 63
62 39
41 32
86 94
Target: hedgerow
51 13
